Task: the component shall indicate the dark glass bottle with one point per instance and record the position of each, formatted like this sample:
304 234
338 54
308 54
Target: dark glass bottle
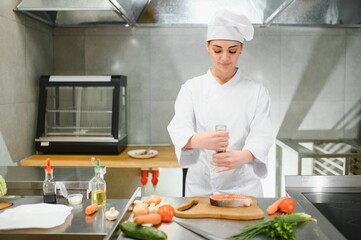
49 187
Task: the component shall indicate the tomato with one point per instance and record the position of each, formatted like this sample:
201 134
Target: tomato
287 205
166 212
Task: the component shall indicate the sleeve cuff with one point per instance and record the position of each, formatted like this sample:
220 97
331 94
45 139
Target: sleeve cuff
187 157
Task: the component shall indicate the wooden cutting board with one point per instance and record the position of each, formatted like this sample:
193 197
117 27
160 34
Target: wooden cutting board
200 207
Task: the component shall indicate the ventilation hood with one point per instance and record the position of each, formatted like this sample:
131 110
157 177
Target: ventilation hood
260 12
346 13
84 12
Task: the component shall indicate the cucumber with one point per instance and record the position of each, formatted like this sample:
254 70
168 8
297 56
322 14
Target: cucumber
133 230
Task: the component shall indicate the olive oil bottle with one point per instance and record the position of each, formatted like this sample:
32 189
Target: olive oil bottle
97 186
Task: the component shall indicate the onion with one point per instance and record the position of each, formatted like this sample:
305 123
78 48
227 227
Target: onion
152 199
140 210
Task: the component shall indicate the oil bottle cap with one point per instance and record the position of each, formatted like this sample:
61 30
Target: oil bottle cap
48 168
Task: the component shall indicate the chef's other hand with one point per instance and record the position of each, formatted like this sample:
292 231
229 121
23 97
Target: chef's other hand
215 140
231 159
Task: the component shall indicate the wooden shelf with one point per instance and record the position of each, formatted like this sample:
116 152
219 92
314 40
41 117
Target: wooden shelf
166 158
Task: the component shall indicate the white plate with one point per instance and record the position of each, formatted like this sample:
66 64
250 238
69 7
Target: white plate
138 153
41 215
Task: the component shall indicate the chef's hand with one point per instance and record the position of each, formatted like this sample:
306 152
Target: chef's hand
215 140
231 159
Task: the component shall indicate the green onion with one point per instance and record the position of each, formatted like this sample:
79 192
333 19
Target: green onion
281 227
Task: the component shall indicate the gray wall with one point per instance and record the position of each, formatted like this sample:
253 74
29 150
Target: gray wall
26 48
313 74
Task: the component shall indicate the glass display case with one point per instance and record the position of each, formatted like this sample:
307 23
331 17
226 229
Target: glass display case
82 114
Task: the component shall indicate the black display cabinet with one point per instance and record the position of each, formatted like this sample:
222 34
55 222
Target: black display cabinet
82 115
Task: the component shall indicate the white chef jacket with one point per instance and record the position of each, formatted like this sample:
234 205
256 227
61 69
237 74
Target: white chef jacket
241 104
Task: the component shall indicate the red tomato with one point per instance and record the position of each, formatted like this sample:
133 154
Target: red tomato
166 212
287 205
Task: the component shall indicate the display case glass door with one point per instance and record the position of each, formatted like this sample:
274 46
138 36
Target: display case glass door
79 111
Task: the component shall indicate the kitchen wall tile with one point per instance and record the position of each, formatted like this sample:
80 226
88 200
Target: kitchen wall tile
173 60
352 113
313 68
161 114
73 31
40 26
353 31
27 51
16 124
29 130
311 120
261 61
69 56
295 64
316 118
351 121
6 128
180 31
170 182
272 30
310 31
276 117
5 158
124 55
39 61
138 124
6 10
353 69
118 31
12 67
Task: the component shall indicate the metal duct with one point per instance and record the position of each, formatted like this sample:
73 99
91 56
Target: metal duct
346 13
260 12
84 12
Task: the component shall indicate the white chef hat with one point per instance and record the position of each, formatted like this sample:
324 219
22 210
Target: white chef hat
228 25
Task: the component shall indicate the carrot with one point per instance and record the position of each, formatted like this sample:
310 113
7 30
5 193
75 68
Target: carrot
271 209
89 210
153 218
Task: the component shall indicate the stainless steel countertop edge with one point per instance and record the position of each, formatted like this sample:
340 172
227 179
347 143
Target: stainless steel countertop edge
325 226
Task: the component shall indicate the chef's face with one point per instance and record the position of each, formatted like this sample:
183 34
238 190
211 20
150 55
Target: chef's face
224 54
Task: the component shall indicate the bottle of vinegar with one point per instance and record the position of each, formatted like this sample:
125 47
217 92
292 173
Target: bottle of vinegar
98 186
49 187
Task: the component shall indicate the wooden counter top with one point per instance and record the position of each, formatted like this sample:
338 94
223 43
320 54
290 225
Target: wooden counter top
166 158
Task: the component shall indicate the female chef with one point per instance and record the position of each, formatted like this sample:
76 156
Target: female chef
231 161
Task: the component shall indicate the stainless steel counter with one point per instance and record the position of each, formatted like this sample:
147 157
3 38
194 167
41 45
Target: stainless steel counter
226 228
335 201
79 226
